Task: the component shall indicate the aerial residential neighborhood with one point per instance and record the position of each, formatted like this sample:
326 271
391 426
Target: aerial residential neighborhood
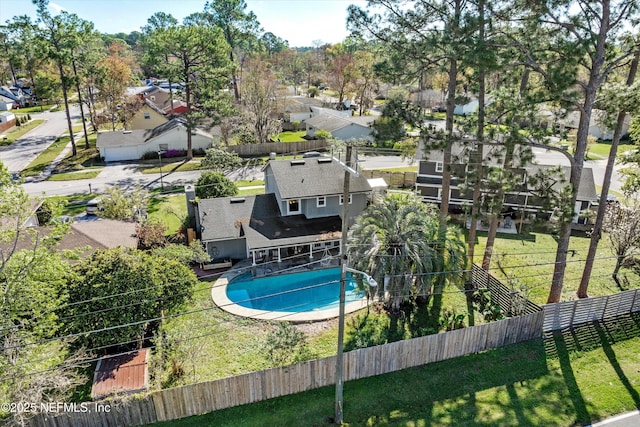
296 213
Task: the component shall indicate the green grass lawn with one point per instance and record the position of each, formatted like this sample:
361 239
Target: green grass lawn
36 109
46 157
75 204
86 158
73 176
19 131
170 210
290 136
566 380
602 148
528 260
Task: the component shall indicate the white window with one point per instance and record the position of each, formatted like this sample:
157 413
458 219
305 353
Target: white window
342 199
321 201
147 116
439 167
293 206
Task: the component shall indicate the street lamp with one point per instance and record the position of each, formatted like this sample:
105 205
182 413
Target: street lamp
343 282
160 160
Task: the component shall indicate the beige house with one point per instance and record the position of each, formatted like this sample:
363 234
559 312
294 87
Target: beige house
149 116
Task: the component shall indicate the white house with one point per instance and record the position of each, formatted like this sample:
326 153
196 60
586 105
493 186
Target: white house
466 109
597 129
7 117
6 103
133 144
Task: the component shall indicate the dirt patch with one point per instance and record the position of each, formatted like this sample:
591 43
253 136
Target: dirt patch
315 328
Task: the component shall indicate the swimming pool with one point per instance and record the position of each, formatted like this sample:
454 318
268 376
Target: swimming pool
309 295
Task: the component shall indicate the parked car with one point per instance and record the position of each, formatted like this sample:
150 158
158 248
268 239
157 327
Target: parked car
610 198
15 177
309 154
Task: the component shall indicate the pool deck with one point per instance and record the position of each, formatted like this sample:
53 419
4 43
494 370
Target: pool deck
219 296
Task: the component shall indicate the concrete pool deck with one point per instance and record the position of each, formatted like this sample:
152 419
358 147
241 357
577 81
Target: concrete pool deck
219 296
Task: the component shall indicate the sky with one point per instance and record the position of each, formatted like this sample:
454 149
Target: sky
300 22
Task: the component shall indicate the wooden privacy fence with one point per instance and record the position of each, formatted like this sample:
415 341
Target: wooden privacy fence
564 315
510 301
248 150
180 402
393 179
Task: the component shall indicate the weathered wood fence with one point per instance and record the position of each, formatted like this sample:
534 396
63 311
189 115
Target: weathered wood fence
511 302
564 315
180 402
248 150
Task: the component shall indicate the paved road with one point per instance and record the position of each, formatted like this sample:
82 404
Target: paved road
630 419
19 154
128 176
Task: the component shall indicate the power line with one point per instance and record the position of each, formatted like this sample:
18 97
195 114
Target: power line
277 318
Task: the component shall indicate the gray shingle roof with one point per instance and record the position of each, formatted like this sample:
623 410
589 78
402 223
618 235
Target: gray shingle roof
587 188
258 219
141 136
328 122
312 177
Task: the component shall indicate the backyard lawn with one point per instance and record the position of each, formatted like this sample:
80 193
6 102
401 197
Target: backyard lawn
565 380
528 260
290 136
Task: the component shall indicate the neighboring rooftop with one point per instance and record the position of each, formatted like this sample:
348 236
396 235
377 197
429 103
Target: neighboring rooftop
141 136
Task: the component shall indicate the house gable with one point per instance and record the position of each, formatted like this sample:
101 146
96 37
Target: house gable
147 117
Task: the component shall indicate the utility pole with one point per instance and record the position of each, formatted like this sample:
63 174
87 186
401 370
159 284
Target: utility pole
343 286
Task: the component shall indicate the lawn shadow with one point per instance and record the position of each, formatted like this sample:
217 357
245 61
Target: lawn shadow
560 345
453 398
587 337
609 332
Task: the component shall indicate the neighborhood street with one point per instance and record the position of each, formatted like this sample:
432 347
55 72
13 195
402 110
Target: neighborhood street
19 154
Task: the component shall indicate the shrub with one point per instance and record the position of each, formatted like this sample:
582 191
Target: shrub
45 212
286 345
149 155
174 153
215 184
151 234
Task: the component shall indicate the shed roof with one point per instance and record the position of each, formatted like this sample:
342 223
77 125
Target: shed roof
126 373
319 176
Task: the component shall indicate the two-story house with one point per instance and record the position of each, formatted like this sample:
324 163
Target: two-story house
521 199
300 214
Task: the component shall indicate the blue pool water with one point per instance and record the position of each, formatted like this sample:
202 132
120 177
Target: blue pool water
296 292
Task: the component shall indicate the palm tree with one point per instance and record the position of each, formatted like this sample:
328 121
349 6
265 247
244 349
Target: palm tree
400 243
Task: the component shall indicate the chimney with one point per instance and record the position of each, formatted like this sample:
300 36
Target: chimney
192 207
